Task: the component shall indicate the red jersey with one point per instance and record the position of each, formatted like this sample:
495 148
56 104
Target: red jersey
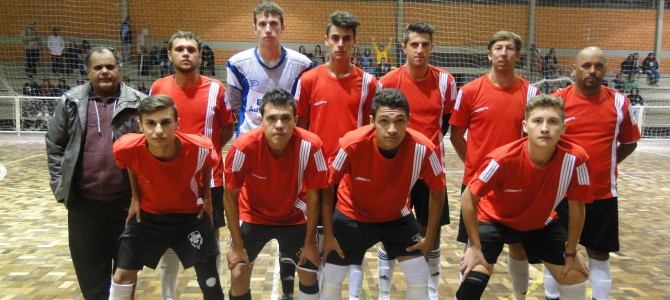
167 187
335 106
202 109
598 123
429 100
272 188
519 194
375 189
491 115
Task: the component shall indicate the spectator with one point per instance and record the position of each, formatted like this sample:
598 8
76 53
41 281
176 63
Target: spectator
81 57
31 88
154 58
381 51
304 52
142 40
126 37
165 65
47 89
142 87
630 83
31 44
56 45
207 67
535 59
367 59
650 66
62 86
383 68
356 57
635 98
549 64
71 57
618 82
318 57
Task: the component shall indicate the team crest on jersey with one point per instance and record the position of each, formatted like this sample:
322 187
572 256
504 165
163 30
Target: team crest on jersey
253 82
196 239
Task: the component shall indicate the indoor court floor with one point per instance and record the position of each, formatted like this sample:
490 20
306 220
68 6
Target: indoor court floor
35 261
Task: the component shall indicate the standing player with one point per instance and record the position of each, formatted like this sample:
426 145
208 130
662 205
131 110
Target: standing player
273 177
376 166
491 109
169 208
599 120
512 199
256 71
335 98
201 103
430 92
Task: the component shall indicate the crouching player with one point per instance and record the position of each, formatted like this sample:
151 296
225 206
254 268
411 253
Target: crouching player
376 167
513 197
273 176
171 204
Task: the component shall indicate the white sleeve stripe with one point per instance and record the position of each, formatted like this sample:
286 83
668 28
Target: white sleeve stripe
320 161
298 87
305 146
583 175
457 106
489 171
435 164
340 159
419 154
532 91
567 168
238 160
619 101
443 87
453 90
364 95
209 113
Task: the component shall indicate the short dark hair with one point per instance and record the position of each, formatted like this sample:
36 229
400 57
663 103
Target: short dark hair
343 19
505 36
390 98
277 97
155 103
267 8
187 35
544 100
418 27
101 49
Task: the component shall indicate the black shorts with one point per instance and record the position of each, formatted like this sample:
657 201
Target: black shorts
355 238
601 224
290 238
542 245
420 199
143 244
462 235
217 207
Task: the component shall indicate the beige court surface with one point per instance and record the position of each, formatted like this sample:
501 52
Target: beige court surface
35 261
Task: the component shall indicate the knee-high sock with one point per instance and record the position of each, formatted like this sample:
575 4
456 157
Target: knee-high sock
333 276
416 276
121 291
518 271
385 265
601 278
551 287
355 281
287 276
434 269
574 291
169 269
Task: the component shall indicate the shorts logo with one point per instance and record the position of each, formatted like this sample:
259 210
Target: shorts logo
196 239
417 238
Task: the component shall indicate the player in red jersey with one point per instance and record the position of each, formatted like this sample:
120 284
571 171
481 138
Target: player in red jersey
490 108
375 168
430 92
202 106
335 98
273 176
512 199
171 202
598 119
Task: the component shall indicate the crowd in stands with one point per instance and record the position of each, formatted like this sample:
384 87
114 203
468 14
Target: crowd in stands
374 60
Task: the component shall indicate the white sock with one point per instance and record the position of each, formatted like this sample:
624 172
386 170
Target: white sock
303 296
434 269
121 291
551 287
601 278
573 291
385 267
416 276
333 276
518 271
355 281
169 269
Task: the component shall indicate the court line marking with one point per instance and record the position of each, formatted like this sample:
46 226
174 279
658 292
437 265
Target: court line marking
22 159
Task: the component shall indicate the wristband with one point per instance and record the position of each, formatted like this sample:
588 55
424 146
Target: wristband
567 254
